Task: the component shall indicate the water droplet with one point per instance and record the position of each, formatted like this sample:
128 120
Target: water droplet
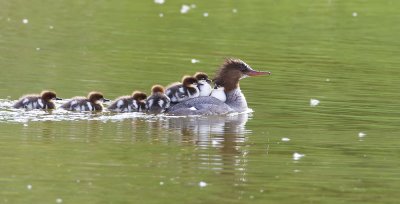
159 1
25 21
202 184
194 61
185 8
297 156
362 134
314 102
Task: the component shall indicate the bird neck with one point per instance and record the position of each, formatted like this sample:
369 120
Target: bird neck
236 100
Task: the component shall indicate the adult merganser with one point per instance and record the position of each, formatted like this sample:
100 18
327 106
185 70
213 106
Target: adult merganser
134 103
219 92
228 76
158 102
93 102
42 101
203 83
178 92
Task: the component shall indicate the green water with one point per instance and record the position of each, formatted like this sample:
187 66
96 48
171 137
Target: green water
343 53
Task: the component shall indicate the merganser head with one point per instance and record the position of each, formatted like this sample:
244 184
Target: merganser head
202 77
189 81
139 96
49 95
96 97
157 89
232 70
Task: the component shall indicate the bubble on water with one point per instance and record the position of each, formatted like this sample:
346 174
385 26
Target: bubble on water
285 139
29 186
161 15
59 200
234 10
314 102
159 1
194 61
205 14
297 156
362 134
355 14
185 8
25 21
202 184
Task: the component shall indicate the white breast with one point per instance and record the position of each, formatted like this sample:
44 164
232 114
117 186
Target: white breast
219 93
204 88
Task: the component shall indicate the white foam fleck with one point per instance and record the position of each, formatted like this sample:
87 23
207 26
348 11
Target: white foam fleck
159 1
205 14
194 61
202 184
38 48
362 134
51 27
314 102
297 156
185 8
193 5
161 183
234 10
355 14
59 200
25 21
285 139
161 15
29 186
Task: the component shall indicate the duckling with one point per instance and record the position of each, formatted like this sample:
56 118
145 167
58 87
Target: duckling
93 102
158 102
219 92
203 83
134 103
178 92
42 101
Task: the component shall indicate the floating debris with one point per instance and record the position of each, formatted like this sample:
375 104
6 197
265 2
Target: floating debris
314 102
362 134
38 48
29 186
297 156
185 8
159 1
285 139
51 27
205 14
296 171
202 184
194 61
161 183
161 15
234 10
355 14
59 200
25 21
328 80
